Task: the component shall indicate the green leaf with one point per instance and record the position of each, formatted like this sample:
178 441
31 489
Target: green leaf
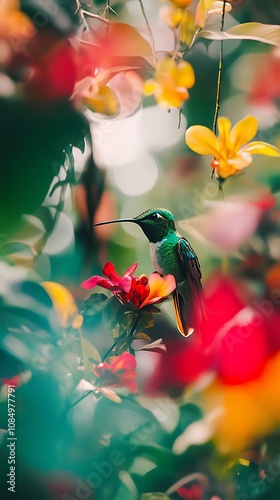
146 321
89 353
94 304
123 346
265 33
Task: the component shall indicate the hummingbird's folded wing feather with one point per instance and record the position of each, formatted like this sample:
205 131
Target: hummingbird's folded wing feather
193 277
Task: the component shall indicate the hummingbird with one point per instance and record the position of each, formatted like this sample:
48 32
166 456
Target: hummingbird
171 253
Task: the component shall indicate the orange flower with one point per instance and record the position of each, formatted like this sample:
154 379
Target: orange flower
171 83
14 23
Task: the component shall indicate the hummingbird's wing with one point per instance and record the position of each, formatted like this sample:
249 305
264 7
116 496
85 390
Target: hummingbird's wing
188 303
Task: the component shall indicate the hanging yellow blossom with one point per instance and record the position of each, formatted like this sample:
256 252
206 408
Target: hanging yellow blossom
64 304
232 150
96 95
171 83
181 19
182 4
13 22
208 7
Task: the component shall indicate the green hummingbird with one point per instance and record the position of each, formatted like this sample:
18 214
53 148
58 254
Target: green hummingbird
171 253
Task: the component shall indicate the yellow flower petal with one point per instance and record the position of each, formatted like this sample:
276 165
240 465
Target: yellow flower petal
166 71
169 97
64 304
261 148
200 14
186 76
171 16
104 101
203 141
224 126
226 169
150 86
243 132
182 4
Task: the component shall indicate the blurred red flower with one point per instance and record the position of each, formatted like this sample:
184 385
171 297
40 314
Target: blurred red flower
266 81
233 342
118 372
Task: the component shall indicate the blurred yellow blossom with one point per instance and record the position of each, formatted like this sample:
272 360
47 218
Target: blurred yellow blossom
13 22
184 19
182 4
208 7
96 95
232 150
64 304
171 83
247 411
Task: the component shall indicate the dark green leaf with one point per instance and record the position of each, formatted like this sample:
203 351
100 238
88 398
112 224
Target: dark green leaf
94 304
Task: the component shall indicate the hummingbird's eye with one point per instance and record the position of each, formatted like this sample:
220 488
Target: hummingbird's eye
155 215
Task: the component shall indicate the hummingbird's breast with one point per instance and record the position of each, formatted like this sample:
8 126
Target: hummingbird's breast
165 257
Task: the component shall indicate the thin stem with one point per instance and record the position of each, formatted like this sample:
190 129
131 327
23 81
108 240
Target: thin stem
109 351
83 396
149 30
220 69
82 14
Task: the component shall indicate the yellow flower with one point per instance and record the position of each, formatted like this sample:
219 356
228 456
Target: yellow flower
13 22
170 83
182 4
232 150
248 411
174 18
208 7
96 95
64 304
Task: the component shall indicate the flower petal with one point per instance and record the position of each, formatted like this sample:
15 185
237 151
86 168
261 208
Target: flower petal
224 126
109 270
261 148
203 141
186 76
150 86
169 97
243 132
130 271
99 281
160 288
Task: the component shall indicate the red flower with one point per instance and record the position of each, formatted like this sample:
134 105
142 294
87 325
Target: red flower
140 291
193 492
114 282
119 372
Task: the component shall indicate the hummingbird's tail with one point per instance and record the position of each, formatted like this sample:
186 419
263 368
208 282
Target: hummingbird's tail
189 312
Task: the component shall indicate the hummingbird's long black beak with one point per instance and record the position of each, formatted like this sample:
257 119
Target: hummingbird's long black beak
116 220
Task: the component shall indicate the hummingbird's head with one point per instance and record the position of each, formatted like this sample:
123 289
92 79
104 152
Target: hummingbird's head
155 223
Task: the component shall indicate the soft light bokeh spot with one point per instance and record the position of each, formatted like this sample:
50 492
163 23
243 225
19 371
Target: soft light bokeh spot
136 178
160 127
